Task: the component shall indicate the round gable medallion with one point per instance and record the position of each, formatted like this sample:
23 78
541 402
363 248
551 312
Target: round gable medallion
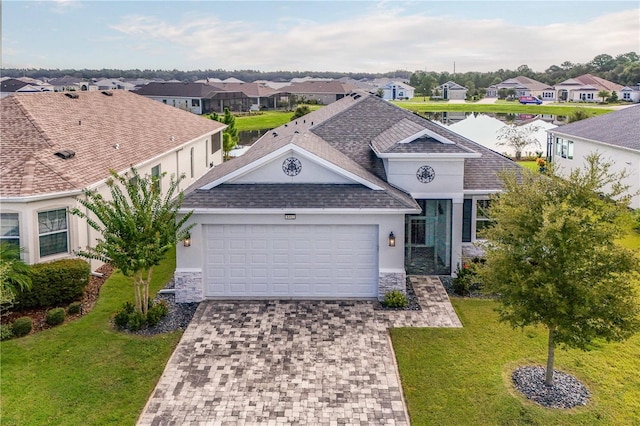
291 166
425 174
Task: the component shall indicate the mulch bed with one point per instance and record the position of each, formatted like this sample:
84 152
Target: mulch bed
88 301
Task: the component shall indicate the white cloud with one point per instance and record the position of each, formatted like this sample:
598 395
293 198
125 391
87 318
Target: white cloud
383 40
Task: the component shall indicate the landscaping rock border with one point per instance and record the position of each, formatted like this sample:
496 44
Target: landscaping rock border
412 299
566 391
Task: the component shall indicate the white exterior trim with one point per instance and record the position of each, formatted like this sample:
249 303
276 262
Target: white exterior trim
296 211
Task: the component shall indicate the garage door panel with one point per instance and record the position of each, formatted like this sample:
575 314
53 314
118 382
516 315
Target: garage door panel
291 261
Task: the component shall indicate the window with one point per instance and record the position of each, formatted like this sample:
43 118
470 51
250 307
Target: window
52 232
564 148
559 146
626 96
191 159
10 228
570 150
155 176
195 102
467 208
482 215
164 101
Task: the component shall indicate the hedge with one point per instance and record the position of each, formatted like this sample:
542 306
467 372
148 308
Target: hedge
55 283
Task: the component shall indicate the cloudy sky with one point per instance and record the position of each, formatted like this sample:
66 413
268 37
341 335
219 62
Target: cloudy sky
341 36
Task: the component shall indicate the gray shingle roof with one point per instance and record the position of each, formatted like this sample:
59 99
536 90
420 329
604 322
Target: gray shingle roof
190 90
619 128
293 196
428 145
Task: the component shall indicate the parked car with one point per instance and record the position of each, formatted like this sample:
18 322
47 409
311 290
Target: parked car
530 100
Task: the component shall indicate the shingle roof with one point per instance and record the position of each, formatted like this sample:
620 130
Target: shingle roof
35 126
591 80
293 196
522 81
188 90
453 85
619 128
343 133
11 85
316 87
252 90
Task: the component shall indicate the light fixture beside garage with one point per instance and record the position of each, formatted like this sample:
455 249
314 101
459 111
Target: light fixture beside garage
392 240
187 240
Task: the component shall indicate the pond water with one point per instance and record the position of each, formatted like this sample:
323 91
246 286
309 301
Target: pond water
479 127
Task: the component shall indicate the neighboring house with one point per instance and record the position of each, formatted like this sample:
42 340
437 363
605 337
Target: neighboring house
630 94
614 135
585 88
114 84
54 145
343 202
322 92
523 86
69 84
453 91
260 96
198 98
396 90
12 85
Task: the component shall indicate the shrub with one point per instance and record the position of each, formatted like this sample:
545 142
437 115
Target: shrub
157 312
22 326
55 283
467 280
5 332
121 319
395 299
74 308
136 321
55 316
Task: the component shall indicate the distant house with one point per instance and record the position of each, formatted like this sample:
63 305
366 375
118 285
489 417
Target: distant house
453 91
523 86
259 95
396 90
322 92
198 98
114 84
69 83
630 94
585 88
614 135
13 85
54 145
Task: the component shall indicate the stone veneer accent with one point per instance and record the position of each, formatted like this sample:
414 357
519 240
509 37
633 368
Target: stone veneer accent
188 286
388 281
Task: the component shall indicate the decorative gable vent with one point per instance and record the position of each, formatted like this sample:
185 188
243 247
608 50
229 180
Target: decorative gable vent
72 95
65 154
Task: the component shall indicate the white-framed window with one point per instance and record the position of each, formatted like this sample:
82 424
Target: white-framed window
10 228
53 232
626 96
474 211
483 220
195 102
155 173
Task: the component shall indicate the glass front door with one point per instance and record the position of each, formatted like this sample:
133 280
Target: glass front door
428 239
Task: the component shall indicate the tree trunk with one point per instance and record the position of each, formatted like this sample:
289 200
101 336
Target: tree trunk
548 380
146 290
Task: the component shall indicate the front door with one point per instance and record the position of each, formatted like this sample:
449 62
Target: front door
428 239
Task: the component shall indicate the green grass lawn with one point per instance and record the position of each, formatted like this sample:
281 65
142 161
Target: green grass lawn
531 165
83 372
462 376
506 108
266 119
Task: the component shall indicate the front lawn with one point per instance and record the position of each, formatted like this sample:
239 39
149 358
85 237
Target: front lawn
461 376
83 372
506 108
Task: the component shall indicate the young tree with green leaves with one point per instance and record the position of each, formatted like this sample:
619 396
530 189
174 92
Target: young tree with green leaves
300 111
230 134
553 260
518 138
138 226
15 275
603 94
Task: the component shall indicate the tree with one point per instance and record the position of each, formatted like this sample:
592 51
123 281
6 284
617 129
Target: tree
14 273
552 257
603 94
613 97
579 114
511 93
230 134
138 226
518 138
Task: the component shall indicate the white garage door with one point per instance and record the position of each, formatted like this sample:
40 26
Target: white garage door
291 261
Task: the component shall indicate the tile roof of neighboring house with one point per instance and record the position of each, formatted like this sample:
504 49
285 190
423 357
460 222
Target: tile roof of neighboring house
11 85
316 87
36 126
187 90
522 81
343 133
252 90
591 80
453 86
619 128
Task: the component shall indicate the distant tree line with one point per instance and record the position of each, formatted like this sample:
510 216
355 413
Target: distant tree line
624 69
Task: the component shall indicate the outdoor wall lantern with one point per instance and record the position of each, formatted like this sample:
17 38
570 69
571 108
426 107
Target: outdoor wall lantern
392 240
187 240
